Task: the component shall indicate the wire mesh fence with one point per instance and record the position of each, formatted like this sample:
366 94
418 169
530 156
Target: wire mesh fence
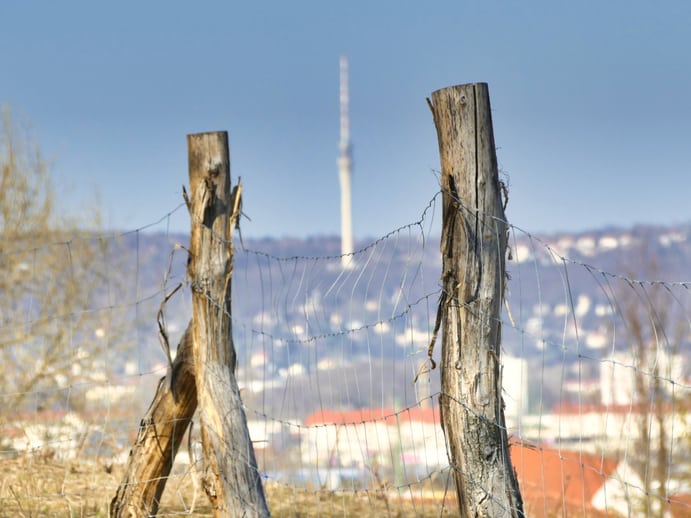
340 394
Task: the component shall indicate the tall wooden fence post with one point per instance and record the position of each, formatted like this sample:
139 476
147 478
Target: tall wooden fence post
473 246
230 478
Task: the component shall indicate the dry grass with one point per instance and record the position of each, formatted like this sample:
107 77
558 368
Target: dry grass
32 486
293 502
35 487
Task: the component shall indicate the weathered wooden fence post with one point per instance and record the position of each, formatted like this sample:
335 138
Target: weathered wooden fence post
473 246
206 352
230 478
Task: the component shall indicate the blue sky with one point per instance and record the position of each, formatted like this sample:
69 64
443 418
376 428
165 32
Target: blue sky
591 104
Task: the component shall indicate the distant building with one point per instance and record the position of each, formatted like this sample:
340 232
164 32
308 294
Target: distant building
618 375
356 448
514 390
599 428
403 445
617 380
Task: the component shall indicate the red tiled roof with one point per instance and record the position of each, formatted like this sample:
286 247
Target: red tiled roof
550 478
680 505
367 415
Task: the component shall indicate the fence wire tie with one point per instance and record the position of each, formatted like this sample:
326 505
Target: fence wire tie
430 348
236 200
163 337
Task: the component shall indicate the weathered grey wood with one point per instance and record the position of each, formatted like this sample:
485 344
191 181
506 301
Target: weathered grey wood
160 433
230 478
473 246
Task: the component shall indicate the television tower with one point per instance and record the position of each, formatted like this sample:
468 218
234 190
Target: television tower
345 172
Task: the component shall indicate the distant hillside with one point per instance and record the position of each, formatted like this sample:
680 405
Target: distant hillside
640 252
294 305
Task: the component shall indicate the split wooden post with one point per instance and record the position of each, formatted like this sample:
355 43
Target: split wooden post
230 477
160 433
473 246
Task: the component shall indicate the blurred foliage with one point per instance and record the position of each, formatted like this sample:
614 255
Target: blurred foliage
51 274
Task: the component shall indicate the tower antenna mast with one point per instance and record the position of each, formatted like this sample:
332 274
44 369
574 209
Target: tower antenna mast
344 170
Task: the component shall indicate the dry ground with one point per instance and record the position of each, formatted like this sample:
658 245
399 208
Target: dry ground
38 487
34 487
